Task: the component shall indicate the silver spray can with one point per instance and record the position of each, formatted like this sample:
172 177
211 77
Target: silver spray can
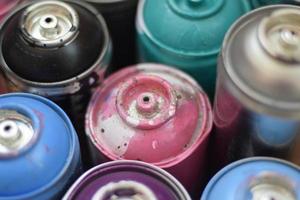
257 106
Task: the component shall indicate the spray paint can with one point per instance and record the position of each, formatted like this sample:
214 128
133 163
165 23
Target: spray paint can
154 114
256 179
259 3
120 18
6 6
35 161
126 180
56 49
259 78
186 34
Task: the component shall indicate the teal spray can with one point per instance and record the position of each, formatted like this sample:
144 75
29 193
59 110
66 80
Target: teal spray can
186 34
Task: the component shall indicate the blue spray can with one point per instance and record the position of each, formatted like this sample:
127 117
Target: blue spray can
259 178
39 149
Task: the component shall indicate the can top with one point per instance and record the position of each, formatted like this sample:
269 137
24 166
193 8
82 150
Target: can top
49 23
122 180
191 28
262 55
29 150
140 114
53 43
255 179
16 132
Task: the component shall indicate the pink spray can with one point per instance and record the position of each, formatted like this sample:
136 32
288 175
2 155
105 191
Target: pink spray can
6 6
155 114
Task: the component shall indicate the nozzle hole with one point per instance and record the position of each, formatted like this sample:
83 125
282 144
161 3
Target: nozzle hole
146 99
7 128
48 20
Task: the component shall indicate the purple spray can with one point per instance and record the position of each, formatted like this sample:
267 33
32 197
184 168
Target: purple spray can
126 180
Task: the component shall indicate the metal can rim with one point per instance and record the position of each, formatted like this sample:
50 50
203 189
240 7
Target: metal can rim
106 1
134 164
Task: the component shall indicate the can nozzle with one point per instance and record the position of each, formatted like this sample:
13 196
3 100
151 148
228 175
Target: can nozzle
146 102
279 34
16 132
9 132
49 26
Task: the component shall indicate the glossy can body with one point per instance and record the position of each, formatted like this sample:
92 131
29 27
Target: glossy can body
190 35
126 179
6 6
50 51
40 163
259 3
256 112
140 114
120 18
255 178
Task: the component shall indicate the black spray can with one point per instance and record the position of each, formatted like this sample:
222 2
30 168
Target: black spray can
56 49
120 18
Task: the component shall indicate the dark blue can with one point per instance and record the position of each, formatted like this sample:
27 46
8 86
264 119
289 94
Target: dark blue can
39 149
258 178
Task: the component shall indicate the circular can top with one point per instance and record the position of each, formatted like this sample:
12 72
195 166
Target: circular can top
140 114
255 179
191 28
49 23
29 150
261 54
54 44
122 180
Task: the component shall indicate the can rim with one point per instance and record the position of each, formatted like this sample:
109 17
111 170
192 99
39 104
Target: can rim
238 82
68 82
164 175
233 165
170 162
72 150
106 1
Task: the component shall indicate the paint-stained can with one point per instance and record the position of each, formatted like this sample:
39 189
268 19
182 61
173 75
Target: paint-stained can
3 84
56 49
255 178
259 3
257 110
7 6
126 180
186 34
120 18
39 149
155 114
